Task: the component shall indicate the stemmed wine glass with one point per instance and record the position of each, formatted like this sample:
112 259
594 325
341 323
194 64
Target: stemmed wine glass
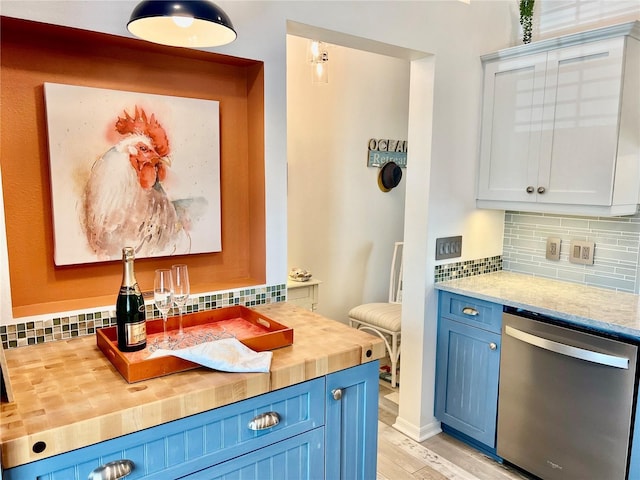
180 288
163 298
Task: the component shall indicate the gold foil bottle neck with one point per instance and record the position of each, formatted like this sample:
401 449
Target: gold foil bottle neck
128 254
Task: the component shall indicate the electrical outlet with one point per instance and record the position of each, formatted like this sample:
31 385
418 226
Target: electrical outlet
553 248
581 252
448 247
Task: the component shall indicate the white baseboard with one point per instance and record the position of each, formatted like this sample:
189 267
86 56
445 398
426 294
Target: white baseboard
419 434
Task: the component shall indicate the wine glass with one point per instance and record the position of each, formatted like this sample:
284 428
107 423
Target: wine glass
181 292
163 298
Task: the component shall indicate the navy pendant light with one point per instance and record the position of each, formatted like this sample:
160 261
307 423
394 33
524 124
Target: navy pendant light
194 24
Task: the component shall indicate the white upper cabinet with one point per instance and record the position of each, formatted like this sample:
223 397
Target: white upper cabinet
561 125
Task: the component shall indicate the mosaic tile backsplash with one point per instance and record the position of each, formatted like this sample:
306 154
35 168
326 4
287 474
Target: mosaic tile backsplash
467 268
65 327
616 254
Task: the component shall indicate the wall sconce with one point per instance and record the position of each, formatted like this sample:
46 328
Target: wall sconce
182 23
319 58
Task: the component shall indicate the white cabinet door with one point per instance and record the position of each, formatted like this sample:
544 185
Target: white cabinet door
561 125
580 123
511 118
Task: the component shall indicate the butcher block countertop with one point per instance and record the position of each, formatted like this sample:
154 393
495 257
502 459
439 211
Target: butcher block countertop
68 395
591 307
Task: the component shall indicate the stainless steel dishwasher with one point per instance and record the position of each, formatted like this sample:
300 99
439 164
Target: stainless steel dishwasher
565 400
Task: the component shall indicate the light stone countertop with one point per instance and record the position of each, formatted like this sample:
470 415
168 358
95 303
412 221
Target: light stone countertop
597 308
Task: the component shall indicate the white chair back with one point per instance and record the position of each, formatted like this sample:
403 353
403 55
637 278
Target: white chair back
395 280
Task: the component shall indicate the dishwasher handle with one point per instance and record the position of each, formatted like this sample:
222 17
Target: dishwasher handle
568 350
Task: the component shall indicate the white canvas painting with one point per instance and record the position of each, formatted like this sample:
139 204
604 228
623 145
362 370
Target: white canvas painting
132 170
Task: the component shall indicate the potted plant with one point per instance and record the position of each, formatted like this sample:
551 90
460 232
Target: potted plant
526 19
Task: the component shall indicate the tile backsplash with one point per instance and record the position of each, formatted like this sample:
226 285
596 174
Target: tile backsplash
61 327
616 254
467 268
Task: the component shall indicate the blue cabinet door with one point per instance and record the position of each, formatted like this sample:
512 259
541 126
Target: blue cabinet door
351 427
297 458
467 371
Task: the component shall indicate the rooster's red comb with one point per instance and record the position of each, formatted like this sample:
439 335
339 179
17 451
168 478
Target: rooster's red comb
139 124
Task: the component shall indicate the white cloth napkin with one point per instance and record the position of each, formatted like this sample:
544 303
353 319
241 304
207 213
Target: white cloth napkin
226 355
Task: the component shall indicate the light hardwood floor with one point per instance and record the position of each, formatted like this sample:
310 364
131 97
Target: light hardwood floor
437 458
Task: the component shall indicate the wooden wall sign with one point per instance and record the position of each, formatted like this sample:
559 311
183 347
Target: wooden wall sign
382 151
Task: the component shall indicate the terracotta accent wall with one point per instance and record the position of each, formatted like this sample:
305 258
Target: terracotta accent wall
34 53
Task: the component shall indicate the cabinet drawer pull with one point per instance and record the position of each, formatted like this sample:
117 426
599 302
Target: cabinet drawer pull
530 189
470 311
492 346
112 470
336 393
541 190
264 421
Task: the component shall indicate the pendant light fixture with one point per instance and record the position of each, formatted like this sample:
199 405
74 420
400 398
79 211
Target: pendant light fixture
195 24
319 58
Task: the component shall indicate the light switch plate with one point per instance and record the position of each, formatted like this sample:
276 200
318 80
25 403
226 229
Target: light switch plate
553 248
581 252
448 247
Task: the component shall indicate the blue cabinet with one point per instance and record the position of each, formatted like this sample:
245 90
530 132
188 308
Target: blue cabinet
318 431
352 423
467 368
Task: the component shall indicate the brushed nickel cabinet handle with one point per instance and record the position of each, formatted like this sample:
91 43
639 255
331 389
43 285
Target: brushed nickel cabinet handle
470 311
541 190
337 393
492 346
112 470
264 421
530 189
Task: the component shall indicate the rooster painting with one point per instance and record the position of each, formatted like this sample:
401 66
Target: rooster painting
132 169
124 199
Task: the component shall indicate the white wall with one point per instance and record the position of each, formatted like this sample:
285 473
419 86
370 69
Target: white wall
341 226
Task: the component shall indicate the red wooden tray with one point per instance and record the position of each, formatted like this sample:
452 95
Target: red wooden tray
255 330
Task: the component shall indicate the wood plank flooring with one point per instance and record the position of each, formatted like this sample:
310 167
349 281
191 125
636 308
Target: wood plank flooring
437 458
